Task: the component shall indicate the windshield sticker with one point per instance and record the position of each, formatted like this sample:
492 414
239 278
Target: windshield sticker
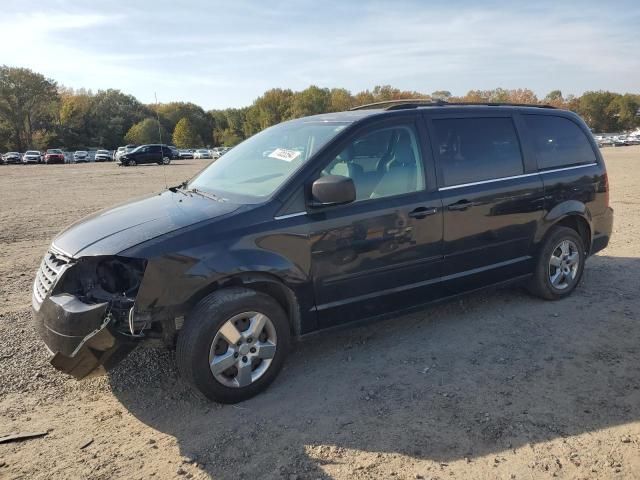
284 154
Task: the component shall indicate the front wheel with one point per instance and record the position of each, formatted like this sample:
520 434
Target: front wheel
233 344
131 163
165 161
560 264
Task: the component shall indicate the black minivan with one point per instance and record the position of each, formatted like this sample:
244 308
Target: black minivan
320 221
160 154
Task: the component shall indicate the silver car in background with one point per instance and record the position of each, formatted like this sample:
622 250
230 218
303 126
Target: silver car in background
81 156
32 156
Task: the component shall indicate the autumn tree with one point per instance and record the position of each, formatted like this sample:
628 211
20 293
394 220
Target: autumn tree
147 131
28 102
185 135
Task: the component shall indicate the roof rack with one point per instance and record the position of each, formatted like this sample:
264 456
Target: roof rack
426 102
403 103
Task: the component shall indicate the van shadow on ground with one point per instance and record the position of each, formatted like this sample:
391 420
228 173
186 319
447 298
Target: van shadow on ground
463 379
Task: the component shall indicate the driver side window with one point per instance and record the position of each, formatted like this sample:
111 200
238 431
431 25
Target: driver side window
382 163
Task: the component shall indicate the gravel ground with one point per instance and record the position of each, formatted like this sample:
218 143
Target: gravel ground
496 385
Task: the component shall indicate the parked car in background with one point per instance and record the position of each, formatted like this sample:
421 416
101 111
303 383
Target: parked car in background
354 215
102 156
122 150
54 155
160 154
217 152
81 156
202 153
175 153
117 153
186 154
11 157
32 156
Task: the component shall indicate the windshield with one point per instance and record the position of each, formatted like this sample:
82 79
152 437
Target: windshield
54 150
257 167
32 152
102 152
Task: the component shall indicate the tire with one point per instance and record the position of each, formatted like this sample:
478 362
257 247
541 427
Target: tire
545 284
131 163
196 350
165 161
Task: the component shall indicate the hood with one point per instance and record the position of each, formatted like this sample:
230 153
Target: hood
111 231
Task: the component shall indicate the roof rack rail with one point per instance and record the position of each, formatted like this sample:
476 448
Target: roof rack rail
426 102
401 103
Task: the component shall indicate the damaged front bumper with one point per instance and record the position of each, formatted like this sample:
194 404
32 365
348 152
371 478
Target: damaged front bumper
81 337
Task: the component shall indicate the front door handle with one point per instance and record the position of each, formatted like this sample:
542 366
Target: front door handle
422 212
461 205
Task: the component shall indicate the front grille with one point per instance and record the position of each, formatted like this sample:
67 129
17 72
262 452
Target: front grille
50 270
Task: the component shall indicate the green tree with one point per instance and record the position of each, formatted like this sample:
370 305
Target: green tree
113 113
594 108
147 131
310 101
171 113
27 103
185 135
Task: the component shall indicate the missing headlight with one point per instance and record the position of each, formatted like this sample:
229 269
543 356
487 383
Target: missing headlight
98 279
118 276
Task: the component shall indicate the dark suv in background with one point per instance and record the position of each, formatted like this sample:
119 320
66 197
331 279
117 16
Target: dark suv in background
160 154
321 221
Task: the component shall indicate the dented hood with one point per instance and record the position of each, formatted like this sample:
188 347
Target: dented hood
110 231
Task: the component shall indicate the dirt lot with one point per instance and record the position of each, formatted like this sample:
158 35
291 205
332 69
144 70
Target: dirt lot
497 385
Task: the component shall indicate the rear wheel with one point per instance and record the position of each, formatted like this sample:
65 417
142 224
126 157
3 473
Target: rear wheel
165 161
560 264
233 344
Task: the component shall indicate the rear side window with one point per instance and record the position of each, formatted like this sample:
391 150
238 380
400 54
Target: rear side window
558 142
476 149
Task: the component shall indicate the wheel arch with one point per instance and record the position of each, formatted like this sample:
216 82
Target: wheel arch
266 283
572 214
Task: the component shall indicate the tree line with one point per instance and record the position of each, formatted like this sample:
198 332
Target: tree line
37 113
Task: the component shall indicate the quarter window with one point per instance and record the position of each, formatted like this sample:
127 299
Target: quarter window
381 163
558 142
476 149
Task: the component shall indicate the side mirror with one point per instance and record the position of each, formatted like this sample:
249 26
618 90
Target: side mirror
332 190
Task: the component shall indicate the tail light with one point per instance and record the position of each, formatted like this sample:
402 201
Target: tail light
605 180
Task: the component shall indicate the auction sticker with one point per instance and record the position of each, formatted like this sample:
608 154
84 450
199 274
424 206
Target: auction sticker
284 154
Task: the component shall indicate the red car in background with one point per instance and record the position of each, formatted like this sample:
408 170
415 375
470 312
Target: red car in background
54 155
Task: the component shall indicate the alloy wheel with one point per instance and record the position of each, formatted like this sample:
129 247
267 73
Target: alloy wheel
564 264
243 349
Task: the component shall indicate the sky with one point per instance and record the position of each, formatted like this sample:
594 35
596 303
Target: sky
226 54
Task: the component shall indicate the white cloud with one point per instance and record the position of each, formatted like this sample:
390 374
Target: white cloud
224 55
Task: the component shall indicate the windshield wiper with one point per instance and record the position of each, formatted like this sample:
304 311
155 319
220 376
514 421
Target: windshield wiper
209 195
180 188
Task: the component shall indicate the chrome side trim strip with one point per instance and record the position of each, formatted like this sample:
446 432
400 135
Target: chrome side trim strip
568 168
289 215
462 185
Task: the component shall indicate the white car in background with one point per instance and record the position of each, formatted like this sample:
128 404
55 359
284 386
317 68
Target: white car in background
202 153
81 156
103 156
32 156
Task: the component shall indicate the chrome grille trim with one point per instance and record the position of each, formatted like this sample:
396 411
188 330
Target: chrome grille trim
51 268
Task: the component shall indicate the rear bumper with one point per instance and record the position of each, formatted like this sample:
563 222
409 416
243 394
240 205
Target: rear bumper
80 337
602 228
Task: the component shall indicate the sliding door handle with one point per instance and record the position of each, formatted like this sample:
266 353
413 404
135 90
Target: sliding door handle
461 205
422 212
